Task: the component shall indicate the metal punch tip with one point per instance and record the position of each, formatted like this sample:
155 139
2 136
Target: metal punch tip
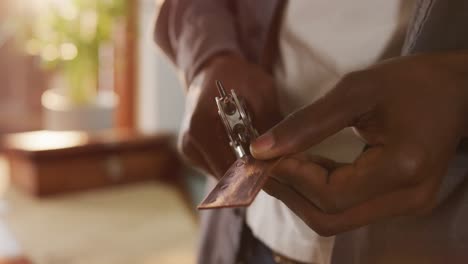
221 89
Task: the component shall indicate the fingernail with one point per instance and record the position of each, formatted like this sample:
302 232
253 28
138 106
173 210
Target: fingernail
262 144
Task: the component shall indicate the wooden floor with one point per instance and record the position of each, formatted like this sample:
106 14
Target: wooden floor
135 224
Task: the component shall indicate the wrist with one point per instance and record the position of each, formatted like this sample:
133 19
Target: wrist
217 65
220 60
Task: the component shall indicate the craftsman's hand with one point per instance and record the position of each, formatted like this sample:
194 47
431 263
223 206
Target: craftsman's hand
412 112
203 139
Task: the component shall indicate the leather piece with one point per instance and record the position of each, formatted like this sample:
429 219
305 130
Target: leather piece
240 185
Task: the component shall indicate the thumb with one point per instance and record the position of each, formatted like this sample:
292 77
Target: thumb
308 126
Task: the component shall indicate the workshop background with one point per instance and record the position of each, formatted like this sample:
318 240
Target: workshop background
89 113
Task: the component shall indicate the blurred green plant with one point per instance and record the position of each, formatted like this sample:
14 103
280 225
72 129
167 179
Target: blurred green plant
67 35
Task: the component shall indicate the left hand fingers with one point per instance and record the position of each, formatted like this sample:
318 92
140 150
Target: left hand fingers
305 177
376 172
314 123
415 199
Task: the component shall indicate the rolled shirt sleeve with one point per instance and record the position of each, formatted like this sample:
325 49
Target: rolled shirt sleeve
189 32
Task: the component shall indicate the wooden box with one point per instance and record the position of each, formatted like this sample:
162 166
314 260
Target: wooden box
45 163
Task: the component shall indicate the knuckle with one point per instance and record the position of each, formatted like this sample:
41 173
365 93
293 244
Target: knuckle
411 163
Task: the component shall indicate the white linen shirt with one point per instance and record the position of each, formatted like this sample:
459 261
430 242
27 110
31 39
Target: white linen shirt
320 41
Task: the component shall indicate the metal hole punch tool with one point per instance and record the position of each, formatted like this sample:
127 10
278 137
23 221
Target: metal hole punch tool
246 177
236 119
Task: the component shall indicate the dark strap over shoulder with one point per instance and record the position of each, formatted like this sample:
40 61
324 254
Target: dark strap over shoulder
438 25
